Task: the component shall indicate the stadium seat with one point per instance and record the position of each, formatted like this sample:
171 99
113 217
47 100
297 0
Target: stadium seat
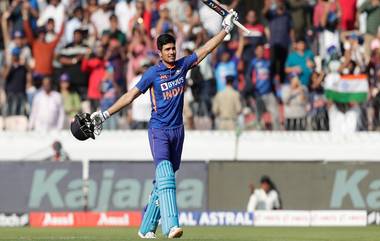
16 123
1 124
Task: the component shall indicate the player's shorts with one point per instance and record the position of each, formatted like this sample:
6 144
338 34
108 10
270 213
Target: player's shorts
166 144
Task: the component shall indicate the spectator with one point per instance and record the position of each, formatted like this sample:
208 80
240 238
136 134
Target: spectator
47 112
43 51
191 23
100 16
228 66
71 99
165 23
300 62
318 104
374 81
281 29
326 20
295 103
115 32
59 154
348 19
16 78
372 8
344 115
95 66
202 85
18 41
15 13
73 24
361 17
125 9
176 7
50 30
141 19
298 10
115 55
264 198
227 106
375 44
71 57
137 51
108 90
140 112
263 87
54 10
256 37
353 46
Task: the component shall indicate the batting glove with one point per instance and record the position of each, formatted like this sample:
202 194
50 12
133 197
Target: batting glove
228 21
100 117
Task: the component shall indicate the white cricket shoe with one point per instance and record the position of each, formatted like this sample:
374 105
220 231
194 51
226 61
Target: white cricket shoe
175 232
149 235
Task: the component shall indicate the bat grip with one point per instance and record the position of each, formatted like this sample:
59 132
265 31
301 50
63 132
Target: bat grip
239 25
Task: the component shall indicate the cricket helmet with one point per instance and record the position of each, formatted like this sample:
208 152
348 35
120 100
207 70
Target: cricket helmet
82 127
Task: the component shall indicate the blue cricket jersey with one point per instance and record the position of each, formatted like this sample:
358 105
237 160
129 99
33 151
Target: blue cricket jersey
167 86
260 73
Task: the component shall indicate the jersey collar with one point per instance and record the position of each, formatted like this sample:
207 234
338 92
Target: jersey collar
162 66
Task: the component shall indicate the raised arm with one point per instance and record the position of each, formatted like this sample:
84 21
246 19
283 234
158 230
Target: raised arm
4 27
210 45
122 102
27 28
59 35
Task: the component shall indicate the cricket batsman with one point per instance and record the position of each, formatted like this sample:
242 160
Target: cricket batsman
166 83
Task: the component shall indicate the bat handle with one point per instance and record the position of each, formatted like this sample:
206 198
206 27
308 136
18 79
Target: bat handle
239 25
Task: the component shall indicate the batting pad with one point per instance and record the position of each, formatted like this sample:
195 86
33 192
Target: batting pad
167 196
152 213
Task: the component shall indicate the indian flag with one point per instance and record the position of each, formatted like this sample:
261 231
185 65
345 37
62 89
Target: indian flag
346 88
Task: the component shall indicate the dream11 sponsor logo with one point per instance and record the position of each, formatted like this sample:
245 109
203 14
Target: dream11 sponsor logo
348 187
120 194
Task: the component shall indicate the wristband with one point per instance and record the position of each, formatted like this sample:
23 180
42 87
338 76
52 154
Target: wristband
106 115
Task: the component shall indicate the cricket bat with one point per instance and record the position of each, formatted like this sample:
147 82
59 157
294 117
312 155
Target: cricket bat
215 5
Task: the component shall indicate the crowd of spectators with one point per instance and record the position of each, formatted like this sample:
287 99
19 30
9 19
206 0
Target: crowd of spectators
60 57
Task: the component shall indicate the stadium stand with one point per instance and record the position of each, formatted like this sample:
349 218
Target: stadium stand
303 60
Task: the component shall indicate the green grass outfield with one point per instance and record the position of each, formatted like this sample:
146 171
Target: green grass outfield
197 233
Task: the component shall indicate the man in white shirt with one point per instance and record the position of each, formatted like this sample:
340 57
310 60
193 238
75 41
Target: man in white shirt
47 111
140 113
264 198
176 7
73 24
101 17
54 10
125 10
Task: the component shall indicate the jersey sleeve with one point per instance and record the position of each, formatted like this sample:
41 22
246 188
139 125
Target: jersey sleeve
190 61
146 81
289 61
